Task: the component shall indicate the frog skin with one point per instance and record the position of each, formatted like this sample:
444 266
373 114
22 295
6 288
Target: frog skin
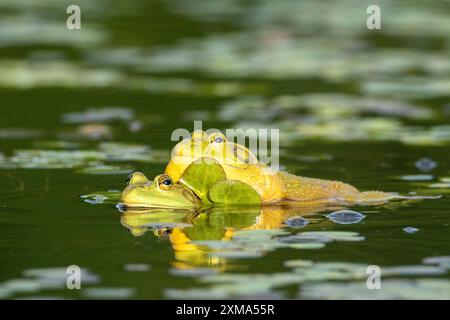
204 184
161 192
240 164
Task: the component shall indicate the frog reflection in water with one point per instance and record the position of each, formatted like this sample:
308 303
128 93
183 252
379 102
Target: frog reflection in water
186 222
184 227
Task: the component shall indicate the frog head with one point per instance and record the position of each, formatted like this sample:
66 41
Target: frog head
214 146
161 192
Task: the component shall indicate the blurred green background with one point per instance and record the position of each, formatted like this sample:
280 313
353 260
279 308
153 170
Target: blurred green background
80 109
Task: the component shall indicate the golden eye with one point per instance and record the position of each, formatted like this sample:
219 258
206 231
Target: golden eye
217 138
165 182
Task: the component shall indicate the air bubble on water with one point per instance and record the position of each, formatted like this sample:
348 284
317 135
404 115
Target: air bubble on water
410 230
296 222
425 164
346 217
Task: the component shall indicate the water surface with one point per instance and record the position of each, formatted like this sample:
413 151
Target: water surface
82 109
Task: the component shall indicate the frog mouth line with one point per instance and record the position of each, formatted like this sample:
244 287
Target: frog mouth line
124 207
190 196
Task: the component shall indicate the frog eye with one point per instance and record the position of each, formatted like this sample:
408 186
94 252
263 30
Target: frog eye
163 232
217 138
130 176
165 182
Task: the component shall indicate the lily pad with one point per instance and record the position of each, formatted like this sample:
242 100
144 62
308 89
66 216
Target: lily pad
201 175
233 192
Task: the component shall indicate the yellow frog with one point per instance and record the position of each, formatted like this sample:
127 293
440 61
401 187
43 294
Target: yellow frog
241 164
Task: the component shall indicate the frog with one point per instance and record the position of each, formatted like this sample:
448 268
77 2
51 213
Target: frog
161 192
203 184
240 164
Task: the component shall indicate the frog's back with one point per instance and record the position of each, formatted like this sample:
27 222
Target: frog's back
327 191
310 189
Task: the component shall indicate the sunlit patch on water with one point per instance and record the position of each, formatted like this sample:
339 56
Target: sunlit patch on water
314 279
435 289
109 293
416 177
96 161
39 280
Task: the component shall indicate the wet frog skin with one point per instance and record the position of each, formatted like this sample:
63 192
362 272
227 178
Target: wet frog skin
240 164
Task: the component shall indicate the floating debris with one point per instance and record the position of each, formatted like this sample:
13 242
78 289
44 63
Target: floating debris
321 237
442 261
191 272
95 131
425 164
20 133
415 177
308 275
53 159
345 217
106 169
28 75
104 196
296 222
298 263
410 230
94 198
391 290
36 280
105 114
440 185
135 126
56 144
124 152
419 270
109 293
137 267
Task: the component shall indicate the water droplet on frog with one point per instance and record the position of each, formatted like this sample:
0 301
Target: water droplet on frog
296 222
425 164
410 230
346 217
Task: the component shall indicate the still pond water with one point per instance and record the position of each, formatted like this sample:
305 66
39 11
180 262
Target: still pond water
81 109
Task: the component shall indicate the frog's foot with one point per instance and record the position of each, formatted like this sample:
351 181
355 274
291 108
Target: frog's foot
379 197
374 197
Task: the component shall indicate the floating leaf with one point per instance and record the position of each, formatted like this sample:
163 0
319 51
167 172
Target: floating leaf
201 175
106 114
105 169
415 177
233 192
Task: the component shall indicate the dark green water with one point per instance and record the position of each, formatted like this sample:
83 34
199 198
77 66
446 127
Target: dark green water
352 105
